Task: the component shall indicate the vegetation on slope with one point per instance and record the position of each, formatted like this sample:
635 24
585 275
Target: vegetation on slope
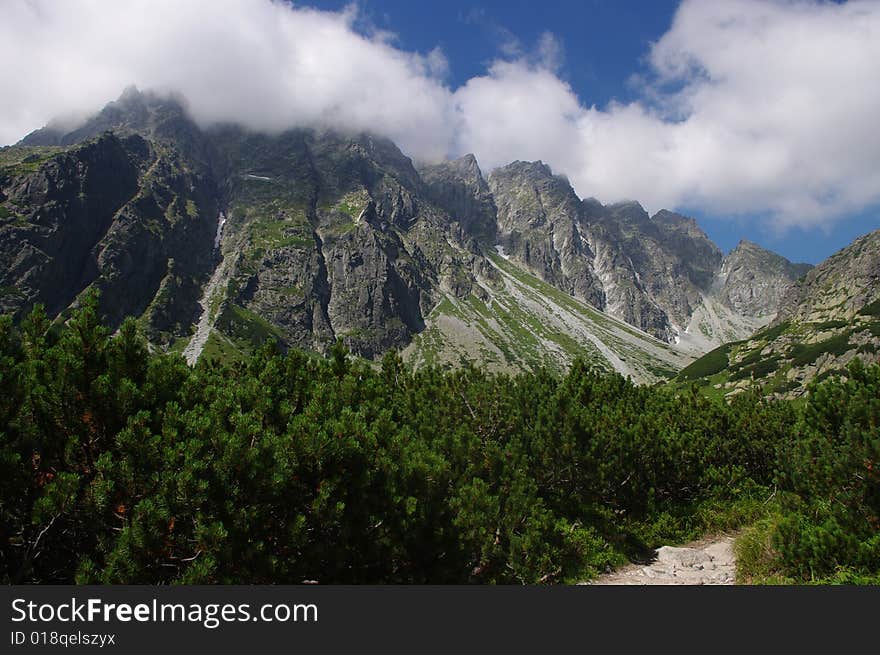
784 359
119 466
522 323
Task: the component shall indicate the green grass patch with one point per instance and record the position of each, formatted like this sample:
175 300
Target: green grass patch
220 349
752 357
759 369
269 234
774 332
831 325
349 209
246 329
10 292
757 560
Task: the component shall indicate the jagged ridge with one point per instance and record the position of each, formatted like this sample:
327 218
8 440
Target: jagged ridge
331 235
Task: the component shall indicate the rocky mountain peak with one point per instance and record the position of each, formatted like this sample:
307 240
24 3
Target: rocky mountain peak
628 209
312 235
754 279
459 188
134 111
592 208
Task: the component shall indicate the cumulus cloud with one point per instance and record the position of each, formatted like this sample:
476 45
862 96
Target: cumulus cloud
261 63
747 106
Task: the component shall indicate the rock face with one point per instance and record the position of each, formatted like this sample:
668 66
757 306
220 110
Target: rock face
658 272
667 258
460 189
539 223
755 280
839 287
117 212
309 236
330 238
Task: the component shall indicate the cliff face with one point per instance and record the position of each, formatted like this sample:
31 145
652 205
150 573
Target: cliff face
755 280
116 212
660 273
309 236
305 236
540 222
459 188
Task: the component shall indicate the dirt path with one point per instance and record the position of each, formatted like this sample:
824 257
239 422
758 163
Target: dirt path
705 562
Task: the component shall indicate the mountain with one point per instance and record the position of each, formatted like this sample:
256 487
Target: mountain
742 297
660 273
756 280
119 212
830 316
219 238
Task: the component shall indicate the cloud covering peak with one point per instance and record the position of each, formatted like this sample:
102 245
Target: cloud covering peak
749 106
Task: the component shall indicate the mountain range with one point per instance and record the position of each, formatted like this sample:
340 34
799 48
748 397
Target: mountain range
218 238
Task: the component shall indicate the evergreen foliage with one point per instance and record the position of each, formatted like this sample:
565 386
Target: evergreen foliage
121 466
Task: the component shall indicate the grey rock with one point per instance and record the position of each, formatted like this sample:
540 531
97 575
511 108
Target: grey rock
754 280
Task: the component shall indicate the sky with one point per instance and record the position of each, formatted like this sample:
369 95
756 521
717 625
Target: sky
757 117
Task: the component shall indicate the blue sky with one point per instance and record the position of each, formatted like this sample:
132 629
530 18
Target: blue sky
605 44
756 117
604 41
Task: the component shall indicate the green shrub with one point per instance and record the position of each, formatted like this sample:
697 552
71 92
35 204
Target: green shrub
130 467
832 468
772 333
761 368
711 363
871 309
803 354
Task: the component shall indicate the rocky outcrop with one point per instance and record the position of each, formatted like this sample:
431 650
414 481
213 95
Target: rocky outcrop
458 187
667 255
540 223
334 238
116 213
755 280
654 272
839 287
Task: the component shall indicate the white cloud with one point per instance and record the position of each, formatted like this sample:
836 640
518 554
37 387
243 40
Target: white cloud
751 106
260 63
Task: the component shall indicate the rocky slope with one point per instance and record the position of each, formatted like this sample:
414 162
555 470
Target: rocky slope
220 238
659 273
514 321
117 212
828 318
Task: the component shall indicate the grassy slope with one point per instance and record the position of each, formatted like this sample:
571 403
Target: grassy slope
528 323
784 359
